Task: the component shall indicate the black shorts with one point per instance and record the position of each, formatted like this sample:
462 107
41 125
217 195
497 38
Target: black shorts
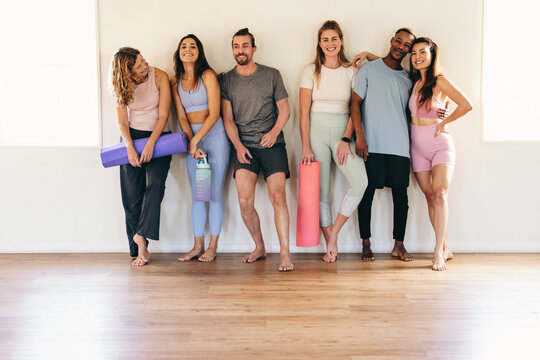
388 170
270 160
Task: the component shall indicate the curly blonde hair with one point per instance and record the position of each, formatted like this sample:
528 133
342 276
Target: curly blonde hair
122 84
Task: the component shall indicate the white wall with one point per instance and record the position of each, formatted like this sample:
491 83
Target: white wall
62 200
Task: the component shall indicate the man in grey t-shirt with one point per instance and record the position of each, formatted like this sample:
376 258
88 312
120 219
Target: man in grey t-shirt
255 110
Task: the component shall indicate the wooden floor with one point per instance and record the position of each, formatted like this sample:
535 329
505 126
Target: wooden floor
96 306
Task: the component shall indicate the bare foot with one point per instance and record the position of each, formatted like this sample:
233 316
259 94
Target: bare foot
329 257
447 254
438 262
195 252
331 247
367 254
209 254
257 254
285 263
138 261
400 252
144 255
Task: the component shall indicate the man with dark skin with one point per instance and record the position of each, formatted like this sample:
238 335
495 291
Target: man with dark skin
379 114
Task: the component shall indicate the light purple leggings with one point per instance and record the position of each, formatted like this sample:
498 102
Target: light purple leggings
216 145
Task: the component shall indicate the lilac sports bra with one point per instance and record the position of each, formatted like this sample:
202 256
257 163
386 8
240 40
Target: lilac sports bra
424 111
194 100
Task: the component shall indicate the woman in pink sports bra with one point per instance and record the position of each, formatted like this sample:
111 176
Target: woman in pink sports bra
432 147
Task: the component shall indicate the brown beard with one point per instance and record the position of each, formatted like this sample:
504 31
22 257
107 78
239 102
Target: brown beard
241 62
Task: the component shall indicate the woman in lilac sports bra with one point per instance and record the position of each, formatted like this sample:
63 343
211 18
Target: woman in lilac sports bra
196 97
432 147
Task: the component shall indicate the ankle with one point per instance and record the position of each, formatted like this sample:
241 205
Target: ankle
399 245
259 248
284 253
198 248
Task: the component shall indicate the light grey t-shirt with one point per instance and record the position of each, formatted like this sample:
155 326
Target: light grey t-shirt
385 94
253 99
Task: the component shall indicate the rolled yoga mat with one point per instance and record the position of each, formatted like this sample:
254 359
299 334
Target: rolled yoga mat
307 224
167 144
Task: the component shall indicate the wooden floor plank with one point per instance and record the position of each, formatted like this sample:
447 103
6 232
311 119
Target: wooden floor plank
96 306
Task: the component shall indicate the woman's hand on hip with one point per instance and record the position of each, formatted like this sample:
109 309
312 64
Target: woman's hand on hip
441 128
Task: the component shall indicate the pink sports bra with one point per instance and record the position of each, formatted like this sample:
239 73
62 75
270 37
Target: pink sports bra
424 111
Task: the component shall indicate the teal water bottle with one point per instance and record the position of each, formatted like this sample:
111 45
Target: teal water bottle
203 177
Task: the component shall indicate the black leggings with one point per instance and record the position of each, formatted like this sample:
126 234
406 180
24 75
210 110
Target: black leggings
401 208
142 191
391 171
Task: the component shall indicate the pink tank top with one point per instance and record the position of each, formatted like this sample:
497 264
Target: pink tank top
424 111
143 111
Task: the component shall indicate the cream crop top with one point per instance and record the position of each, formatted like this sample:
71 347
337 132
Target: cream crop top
334 90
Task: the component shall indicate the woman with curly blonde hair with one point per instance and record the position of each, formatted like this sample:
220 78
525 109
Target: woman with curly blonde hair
143 100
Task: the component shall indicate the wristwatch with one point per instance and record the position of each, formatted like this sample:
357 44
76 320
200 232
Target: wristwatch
346 139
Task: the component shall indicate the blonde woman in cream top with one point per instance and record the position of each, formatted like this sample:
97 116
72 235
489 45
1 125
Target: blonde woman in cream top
326 130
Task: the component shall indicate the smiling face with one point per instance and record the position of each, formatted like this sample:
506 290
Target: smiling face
243 50
400 45
140 68
189 52
330 42
421 56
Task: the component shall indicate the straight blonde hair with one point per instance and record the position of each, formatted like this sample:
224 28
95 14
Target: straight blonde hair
319 56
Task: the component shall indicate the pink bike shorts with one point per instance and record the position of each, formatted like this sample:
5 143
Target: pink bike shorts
428 151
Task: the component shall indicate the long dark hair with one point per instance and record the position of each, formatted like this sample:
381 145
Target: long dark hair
426 91
201 65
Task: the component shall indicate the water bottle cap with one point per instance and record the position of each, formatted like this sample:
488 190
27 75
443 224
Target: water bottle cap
203 163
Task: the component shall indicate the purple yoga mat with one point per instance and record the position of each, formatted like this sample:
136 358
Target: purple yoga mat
167 144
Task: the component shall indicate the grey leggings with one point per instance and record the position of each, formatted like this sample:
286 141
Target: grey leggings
326 131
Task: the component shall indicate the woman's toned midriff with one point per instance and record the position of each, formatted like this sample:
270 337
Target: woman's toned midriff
197 117
420 121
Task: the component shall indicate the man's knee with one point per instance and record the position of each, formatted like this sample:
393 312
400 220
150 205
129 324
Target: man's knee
278 198
401 199
246 203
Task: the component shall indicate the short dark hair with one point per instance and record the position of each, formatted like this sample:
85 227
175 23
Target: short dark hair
407 30
243 32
